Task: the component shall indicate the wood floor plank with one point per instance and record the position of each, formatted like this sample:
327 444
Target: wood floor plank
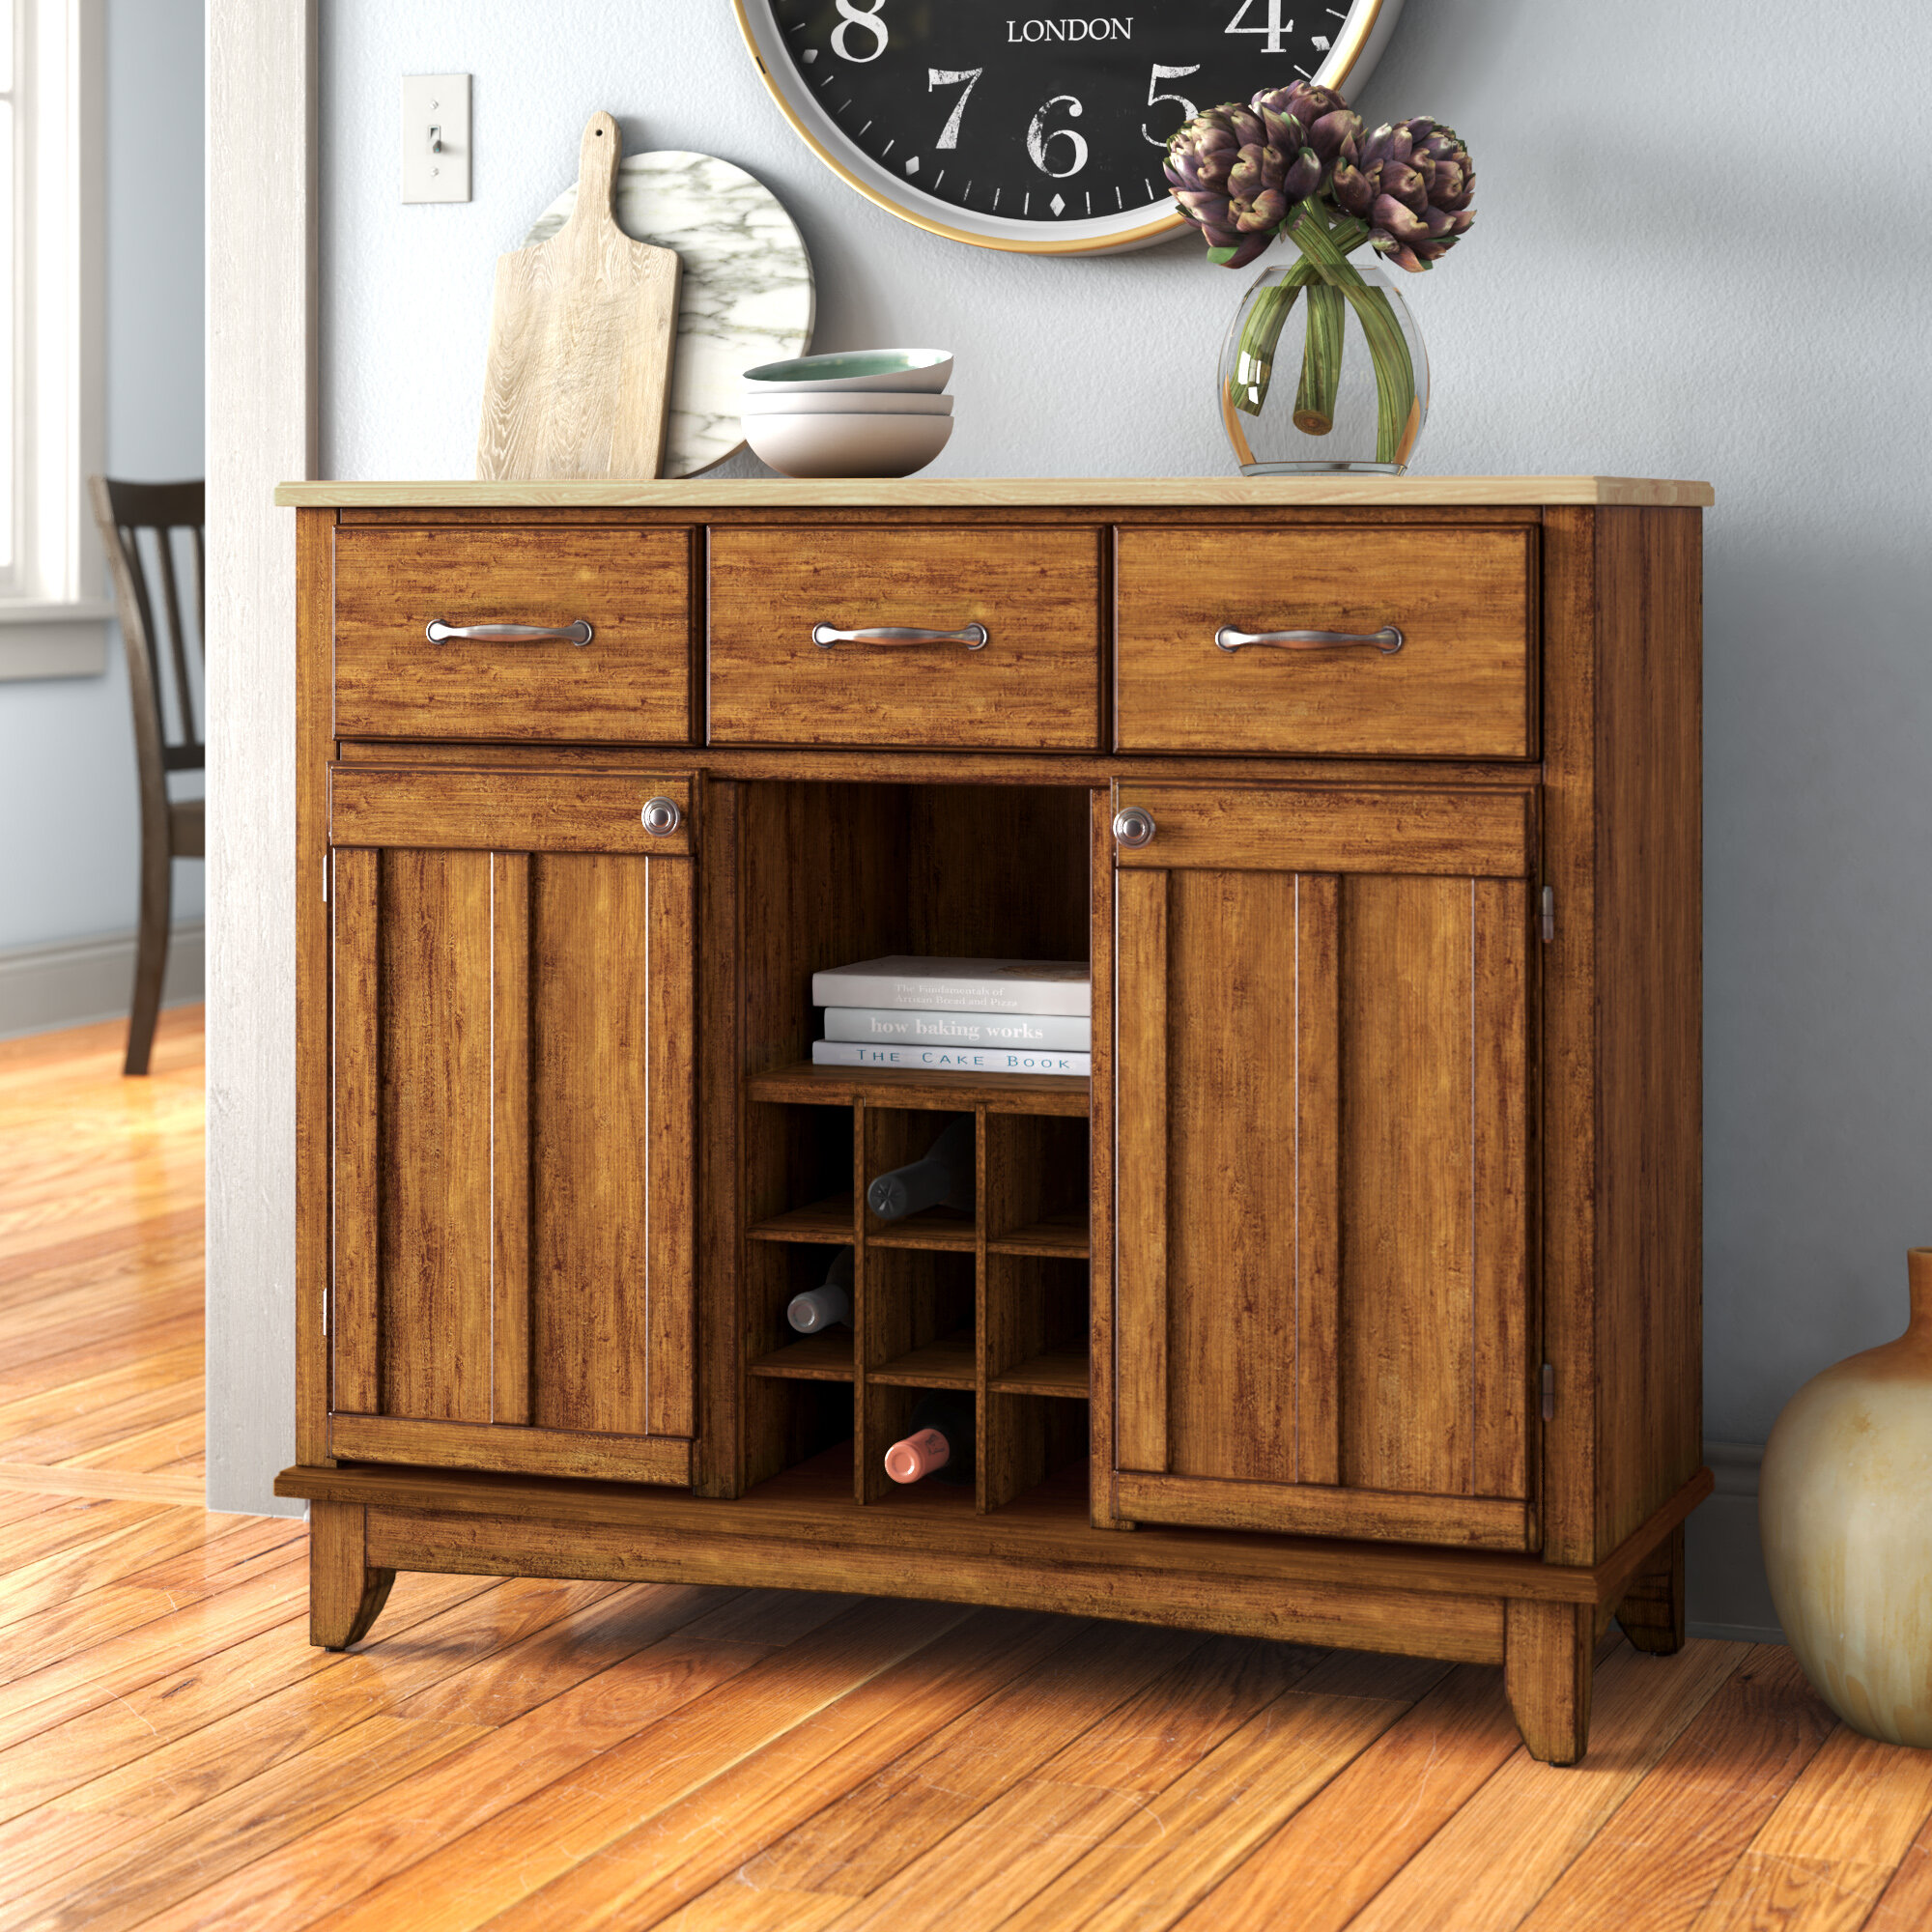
683 1852
1906 1905
181 1489
1674 1840
1180 1842
1511 1842
1348 1841
67 1573
333 1866
473 1878
518 1641
145 1409
49 1354
74 1525
180 1856
1826 1854
28 1415
735 1909
176 1446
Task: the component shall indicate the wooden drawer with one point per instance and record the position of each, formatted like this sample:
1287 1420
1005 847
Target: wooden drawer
1462 685
1033 685
488 808
631 682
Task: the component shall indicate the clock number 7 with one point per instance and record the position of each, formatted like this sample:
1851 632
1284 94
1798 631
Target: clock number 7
1180 101
939 76
1276 26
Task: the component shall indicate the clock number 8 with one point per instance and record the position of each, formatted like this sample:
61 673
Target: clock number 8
855 14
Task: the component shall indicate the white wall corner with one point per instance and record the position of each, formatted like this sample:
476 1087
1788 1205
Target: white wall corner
261 158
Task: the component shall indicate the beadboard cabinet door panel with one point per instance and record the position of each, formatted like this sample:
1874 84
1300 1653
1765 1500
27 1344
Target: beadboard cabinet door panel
630 682
1460 684
1323 1179
1033 683
514 1153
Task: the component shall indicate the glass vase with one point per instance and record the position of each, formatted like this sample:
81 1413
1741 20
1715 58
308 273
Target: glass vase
1323 369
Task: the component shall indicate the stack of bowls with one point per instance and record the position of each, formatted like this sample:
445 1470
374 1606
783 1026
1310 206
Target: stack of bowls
864 412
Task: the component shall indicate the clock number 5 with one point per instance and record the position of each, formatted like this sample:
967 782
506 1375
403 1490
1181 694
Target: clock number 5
1038 135
1187 108
854 14
939 76
1276 26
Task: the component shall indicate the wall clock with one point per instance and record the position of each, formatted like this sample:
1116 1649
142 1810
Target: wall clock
1006 124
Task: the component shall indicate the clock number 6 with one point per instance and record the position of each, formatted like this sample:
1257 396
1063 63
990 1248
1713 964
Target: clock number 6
853 13
939 76
1038 135
1187 108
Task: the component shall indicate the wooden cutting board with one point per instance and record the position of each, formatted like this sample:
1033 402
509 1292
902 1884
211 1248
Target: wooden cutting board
582 331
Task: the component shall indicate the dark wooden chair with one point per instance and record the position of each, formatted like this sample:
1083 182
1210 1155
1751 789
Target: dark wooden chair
137 523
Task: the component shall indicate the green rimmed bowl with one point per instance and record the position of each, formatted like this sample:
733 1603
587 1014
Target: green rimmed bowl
921 371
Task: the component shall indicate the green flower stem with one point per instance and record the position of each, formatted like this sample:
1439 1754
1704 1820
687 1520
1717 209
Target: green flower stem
1320 361
1261 335
1389 347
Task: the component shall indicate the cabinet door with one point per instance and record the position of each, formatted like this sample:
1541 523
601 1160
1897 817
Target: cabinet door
513 1161
1325 1110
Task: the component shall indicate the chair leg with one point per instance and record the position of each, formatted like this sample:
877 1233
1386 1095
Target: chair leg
150 955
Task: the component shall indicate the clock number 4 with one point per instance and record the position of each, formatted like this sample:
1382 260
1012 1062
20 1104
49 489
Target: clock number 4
854 14
939 76
1188 110
1276 26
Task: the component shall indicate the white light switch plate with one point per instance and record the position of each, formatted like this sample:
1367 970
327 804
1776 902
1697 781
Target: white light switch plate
436 137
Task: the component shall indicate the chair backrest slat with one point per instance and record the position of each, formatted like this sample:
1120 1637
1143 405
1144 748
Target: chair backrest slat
124 513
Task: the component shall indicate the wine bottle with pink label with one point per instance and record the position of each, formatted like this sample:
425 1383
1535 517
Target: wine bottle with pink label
940 1442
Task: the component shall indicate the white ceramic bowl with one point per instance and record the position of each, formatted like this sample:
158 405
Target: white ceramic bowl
926 370
847 445
849 403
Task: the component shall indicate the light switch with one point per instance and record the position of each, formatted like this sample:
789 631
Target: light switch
436 137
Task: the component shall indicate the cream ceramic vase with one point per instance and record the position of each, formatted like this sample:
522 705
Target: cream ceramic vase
1845 1509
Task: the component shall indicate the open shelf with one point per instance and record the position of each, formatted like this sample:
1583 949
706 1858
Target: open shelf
828 1222
928 1229
801 1083
1055 1372
1061 1236
821 1358
946 1363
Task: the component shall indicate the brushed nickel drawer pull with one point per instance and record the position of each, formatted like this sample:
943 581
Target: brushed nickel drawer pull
973 637
660 815
437 632
1387 641
1133 825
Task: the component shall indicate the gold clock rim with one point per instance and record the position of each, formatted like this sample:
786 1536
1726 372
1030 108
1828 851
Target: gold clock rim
1133 237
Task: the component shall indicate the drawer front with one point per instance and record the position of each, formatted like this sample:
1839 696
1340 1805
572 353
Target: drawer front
1461 685
1033 684
631 682
489 809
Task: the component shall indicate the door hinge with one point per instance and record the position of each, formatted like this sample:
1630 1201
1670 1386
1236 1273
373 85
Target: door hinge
1545 920
1549 1391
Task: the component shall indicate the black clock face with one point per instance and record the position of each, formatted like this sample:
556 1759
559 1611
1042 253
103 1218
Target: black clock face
1009 112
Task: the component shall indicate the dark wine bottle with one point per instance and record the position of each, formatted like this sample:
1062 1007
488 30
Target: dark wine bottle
940 1442
827 1305
944 1179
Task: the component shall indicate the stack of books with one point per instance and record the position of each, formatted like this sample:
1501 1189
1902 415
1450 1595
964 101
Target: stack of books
957 1015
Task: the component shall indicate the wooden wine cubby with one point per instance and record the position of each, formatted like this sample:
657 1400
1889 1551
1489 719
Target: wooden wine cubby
993 1305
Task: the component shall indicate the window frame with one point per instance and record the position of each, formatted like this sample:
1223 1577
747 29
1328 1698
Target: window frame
52 613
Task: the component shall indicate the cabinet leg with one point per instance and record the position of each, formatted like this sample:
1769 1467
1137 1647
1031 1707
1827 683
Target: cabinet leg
345 1596
1652 1609
1548 1658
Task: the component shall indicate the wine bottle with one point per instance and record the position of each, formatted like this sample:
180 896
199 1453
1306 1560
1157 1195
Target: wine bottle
940 1442
827 1305
944 1179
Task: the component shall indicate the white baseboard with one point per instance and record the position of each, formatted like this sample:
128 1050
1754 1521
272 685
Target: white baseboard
72 981
1725 1592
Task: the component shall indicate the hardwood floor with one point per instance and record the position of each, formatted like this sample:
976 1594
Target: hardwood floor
528 1754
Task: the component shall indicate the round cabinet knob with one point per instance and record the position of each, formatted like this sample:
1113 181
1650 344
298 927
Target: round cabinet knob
660 815
1134 826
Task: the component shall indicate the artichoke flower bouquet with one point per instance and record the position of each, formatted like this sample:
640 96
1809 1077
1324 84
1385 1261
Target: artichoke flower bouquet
1297 162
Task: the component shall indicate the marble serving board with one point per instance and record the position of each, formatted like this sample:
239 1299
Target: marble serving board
746 298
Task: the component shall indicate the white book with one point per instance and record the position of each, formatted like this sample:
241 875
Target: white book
904 1026
948 1058
1061 986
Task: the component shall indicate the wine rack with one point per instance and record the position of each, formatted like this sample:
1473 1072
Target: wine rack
991 1304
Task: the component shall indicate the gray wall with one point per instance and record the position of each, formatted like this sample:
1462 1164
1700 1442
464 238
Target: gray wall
1698 256
67 748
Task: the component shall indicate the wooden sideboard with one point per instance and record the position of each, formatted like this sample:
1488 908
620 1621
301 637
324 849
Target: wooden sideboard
1361 1283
